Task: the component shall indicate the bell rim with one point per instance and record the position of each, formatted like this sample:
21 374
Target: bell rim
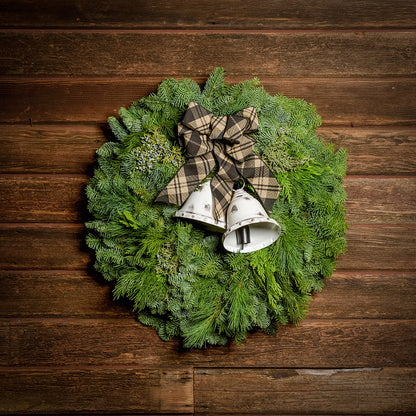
248 249
250 221
220 224
259 246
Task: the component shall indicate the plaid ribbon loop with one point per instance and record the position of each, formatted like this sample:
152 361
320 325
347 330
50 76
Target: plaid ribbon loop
222 142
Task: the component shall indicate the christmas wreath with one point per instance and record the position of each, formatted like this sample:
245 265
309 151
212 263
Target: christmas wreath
177 273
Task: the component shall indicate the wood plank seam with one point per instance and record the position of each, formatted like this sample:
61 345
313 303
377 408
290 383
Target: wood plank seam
183 31
77 319
230 78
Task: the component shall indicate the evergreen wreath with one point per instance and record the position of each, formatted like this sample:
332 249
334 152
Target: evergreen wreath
175 273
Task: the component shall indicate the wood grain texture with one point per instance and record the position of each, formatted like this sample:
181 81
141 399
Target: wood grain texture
204 14
4 343
369 295
361 390
70 148
43 246
61 198
57 293
49 148
44 391
278 54
114 341
381 200
60 294
379 247
375 151
384 101
50 198
28 246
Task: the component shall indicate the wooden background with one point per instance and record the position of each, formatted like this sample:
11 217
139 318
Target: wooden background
65 67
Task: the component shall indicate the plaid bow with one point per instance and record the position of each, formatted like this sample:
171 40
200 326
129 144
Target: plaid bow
220 141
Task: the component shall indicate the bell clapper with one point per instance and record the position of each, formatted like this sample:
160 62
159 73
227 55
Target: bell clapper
243 235
248 228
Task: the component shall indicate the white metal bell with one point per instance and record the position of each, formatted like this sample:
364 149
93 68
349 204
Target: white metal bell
249 228
199 207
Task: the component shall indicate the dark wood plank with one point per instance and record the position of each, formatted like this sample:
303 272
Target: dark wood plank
61 246
379 247
361 390
43 246
46 293
58 294
374 151
52 100
49 148
4 343
68 148
339 101
314 343
204 14
278 54
381 200
61 198
51 198
369 295
44 391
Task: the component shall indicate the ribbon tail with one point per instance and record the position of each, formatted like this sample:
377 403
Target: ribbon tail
262 179
222 191
223 182
186 179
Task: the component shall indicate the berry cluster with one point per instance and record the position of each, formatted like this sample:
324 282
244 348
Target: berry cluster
156 148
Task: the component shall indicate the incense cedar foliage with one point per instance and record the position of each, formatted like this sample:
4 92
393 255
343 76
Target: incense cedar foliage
176 274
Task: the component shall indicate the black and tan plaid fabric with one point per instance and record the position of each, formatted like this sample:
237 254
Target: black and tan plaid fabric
220 141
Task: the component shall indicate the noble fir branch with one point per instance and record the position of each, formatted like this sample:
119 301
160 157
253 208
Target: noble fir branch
130 120
215 86
117 128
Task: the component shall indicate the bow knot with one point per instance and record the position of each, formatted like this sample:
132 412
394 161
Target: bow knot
222 142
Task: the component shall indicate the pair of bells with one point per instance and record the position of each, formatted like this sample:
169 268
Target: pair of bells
247 228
